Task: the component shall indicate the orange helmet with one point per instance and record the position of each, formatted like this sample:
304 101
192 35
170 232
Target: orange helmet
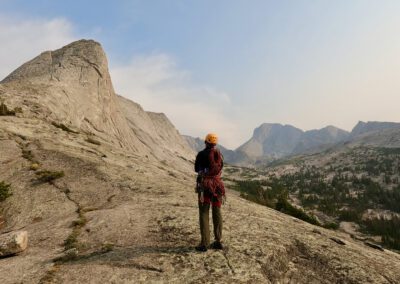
211 138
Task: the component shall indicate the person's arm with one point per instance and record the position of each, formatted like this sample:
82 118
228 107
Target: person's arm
197 163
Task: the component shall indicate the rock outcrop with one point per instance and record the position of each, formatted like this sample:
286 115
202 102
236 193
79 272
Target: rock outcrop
71 86
274 141
13 243
375 134
155 132
317 140
372 126
386 138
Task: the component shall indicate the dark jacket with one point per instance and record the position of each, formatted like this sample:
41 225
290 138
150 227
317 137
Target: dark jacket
203 160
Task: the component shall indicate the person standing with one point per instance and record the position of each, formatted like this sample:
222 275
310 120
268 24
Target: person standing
211 191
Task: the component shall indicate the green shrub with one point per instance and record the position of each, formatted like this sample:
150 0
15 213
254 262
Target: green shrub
332 226
349 216
72 240
5 189
389 229
284 206
107 247
48 176
79 223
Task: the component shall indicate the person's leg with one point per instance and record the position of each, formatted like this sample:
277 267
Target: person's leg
204 209
217 222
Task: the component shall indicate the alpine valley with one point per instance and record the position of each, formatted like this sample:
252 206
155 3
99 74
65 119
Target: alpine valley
105 190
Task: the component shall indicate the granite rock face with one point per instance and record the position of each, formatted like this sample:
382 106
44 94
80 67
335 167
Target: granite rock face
272 141
72 86
13 243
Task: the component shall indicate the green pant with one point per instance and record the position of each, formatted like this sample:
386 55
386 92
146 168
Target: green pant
204 223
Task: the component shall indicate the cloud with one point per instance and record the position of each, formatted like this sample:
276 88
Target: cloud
22 39
156 82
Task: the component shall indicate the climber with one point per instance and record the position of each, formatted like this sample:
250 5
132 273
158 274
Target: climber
211 190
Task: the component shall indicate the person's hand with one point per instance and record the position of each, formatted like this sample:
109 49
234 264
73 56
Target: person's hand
201 198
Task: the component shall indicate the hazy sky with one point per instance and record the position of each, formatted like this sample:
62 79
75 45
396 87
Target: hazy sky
228 66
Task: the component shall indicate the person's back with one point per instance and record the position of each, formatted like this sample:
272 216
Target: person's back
211 190
209 159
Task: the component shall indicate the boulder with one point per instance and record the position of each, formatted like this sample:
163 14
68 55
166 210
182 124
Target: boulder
12 243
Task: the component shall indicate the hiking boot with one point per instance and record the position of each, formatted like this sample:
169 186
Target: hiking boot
217 245
201 248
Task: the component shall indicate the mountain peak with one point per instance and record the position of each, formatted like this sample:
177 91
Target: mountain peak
369 126
64 64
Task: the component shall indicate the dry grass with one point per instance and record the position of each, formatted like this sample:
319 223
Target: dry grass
48 176
5 191
63 127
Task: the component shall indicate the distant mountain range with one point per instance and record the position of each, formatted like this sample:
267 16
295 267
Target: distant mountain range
272 141
230 156
372 126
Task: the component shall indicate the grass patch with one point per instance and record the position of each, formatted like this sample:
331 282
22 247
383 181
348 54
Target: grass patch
28 155
49 275
5 191
107 247
80 222
72 241
93 141
63 127
34 167
48 176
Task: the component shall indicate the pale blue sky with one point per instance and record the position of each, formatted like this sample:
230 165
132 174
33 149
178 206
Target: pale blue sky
228 66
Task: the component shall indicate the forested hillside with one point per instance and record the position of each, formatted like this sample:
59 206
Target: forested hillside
359 185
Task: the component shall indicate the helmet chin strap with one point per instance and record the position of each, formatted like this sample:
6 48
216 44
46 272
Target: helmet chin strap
209 145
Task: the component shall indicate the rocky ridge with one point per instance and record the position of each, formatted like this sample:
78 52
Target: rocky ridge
272 141
230 156
71 86
372 126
